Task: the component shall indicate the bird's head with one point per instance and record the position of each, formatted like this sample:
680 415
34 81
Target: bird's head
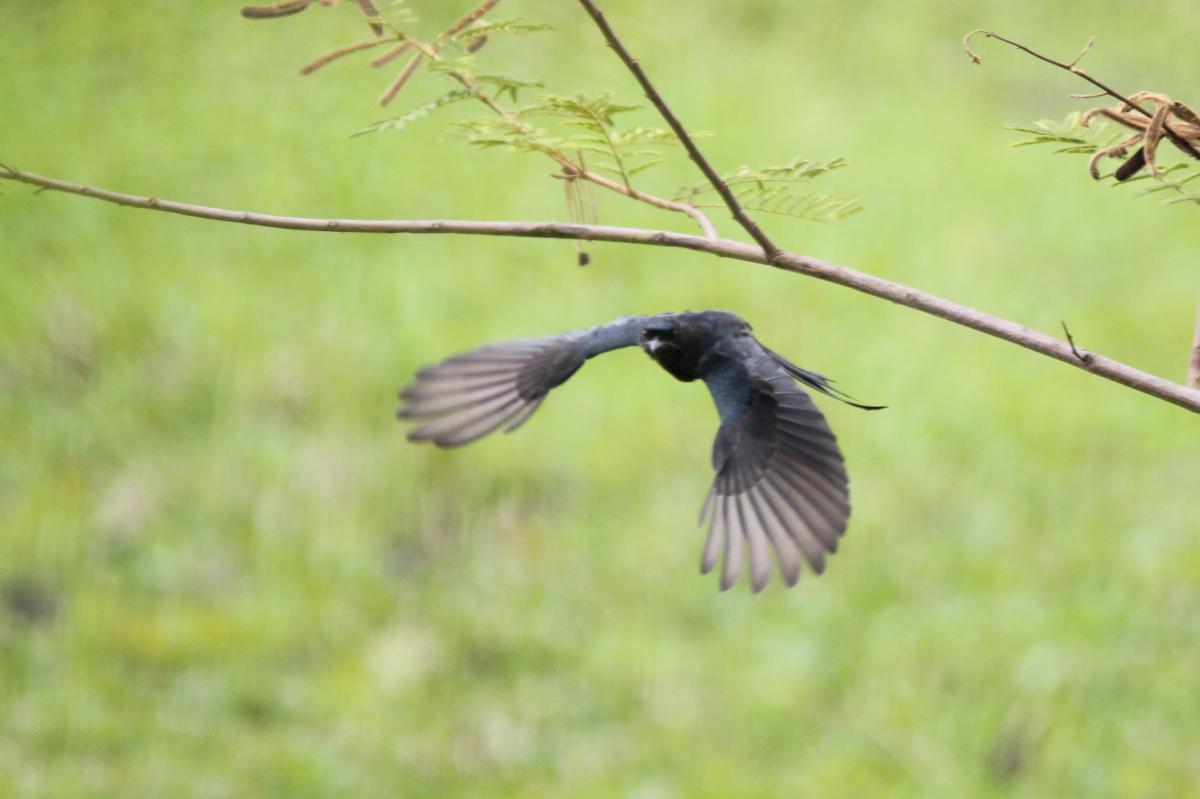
678 340
661 335
690 329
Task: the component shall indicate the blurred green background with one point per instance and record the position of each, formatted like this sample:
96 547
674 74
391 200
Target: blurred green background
226 574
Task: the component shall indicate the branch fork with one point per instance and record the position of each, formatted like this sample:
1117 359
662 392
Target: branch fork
724 248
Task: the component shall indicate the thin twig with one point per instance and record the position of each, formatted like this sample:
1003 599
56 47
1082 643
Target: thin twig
702 220
1083 356
1091 41
1000 328
1193 378
735 208
1176 139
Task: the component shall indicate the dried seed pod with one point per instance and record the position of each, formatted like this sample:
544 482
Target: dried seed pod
281 9
1131 167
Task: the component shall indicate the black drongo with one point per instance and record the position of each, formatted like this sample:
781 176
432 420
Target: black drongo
780 483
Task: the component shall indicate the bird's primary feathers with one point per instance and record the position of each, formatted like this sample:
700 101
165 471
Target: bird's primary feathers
781 484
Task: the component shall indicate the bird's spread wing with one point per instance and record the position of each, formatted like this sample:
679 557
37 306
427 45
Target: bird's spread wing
470 395
781 483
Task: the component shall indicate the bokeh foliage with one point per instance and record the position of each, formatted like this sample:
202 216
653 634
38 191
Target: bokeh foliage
225 573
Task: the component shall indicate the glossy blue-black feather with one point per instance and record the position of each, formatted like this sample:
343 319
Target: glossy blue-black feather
781 483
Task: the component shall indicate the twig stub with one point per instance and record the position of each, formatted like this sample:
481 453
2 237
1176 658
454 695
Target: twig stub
1084 357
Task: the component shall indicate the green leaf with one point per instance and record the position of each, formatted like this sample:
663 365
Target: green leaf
506 26
772 190
594 111
396 14
1068 132
506 85
579 125
795 171
1073 138
632 136
449 66
420 112
642 167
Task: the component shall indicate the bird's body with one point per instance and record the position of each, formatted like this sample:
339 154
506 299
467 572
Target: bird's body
781 483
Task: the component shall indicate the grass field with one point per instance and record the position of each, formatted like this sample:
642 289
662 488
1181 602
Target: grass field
225 573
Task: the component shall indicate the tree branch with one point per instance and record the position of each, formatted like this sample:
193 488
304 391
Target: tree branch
658 202
769 249
724 248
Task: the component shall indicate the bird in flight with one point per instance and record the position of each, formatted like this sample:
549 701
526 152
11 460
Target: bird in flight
781 482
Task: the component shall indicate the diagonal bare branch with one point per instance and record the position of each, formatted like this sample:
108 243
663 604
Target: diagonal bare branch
1003 329
735 208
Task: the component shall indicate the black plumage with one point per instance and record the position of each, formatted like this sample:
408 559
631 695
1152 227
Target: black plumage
781 482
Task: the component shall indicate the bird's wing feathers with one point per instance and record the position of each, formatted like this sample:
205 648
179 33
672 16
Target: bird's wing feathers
781 483
467 396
